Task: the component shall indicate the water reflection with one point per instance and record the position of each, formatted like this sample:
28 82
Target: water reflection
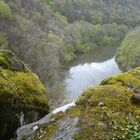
89 74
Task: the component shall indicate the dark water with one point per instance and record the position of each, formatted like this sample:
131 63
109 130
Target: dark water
97 55
89 70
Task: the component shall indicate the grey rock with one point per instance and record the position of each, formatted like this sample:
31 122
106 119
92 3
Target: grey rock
28 130
66 129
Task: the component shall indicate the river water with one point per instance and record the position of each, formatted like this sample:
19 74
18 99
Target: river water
89 70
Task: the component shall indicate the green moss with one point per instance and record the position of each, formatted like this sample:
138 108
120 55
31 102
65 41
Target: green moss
48 131
131 79
20 91
8 60
105 111
4 62
112 119
5 11
23 88
128 55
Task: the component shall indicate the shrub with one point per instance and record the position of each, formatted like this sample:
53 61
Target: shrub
5 11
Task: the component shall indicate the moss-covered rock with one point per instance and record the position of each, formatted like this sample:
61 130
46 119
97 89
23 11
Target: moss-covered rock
21 92
8 60
128 54
108 111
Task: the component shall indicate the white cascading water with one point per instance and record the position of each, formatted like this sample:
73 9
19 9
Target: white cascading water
89 74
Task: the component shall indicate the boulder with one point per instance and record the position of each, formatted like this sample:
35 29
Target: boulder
22 95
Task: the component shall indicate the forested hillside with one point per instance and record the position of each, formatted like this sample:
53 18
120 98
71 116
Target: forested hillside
70 46
32 29
49 34
99 12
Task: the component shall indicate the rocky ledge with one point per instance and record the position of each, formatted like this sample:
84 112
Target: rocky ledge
110 110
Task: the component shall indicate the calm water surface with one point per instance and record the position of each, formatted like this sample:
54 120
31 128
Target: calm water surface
89 70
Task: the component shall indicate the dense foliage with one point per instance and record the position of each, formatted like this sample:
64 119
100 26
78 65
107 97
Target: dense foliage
5 11
99 11
39 30
128 54
49 34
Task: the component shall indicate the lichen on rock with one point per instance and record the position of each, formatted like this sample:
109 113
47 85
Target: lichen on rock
20 91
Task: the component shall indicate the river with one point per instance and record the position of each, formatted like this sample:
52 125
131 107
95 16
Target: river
89 70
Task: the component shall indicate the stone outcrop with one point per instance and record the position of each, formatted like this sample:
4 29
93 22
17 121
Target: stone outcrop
107 111
22 96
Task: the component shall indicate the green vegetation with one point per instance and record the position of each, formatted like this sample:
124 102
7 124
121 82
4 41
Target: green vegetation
5 11
128 55
132 132
86 36
49 34
107 111
20 91
122 12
